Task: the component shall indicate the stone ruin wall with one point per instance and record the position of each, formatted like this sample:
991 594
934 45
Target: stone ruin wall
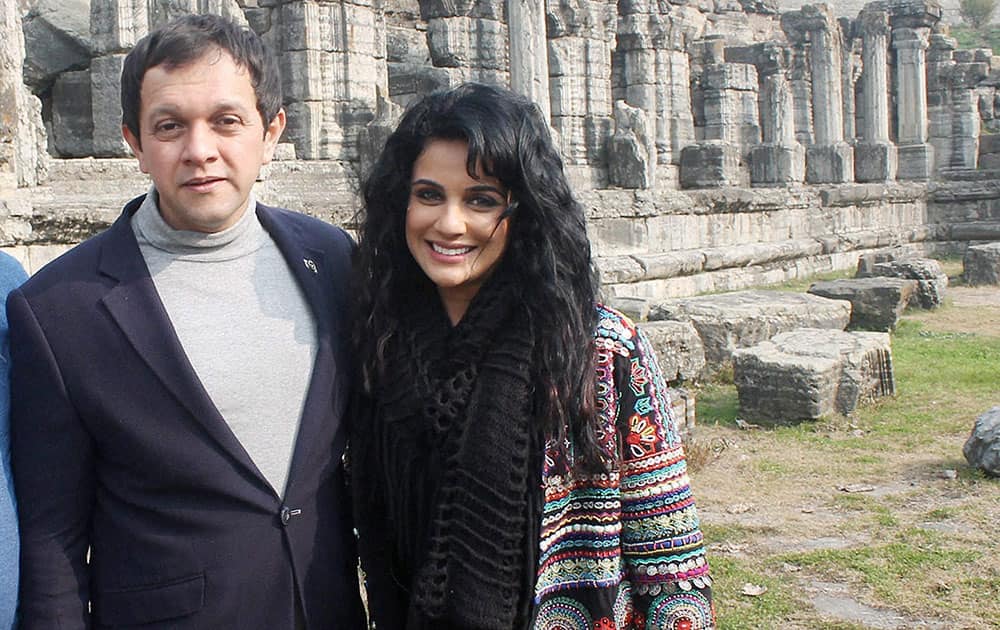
716 144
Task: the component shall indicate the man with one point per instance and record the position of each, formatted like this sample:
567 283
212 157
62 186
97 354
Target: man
179 380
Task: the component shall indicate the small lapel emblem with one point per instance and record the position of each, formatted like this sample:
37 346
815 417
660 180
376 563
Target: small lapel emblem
310 265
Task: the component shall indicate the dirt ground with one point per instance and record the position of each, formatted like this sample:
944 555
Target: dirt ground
771 497
957 317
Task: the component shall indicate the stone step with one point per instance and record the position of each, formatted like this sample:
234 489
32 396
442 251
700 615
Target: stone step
728 321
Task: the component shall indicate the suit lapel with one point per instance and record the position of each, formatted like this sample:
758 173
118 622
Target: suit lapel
136 307
313 272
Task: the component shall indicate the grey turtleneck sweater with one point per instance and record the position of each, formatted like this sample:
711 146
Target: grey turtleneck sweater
244 324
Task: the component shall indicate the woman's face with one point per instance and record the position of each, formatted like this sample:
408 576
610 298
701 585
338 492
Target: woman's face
452 226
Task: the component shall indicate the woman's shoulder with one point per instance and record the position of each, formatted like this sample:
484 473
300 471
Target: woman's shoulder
615 328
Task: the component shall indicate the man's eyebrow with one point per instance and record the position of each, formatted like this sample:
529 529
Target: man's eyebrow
171 109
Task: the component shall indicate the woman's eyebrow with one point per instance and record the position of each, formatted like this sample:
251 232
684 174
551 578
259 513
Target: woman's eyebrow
486 188
425 182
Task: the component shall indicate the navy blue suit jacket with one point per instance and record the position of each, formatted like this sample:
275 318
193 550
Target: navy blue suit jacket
116 447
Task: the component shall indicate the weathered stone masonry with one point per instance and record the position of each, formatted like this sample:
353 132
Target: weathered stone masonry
716 143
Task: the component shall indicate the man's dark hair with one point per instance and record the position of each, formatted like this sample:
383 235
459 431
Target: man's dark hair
184 40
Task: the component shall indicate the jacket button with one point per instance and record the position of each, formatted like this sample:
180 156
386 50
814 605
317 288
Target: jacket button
287 513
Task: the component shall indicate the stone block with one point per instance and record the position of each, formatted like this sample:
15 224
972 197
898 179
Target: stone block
875 161
618 269
300 26
829 163
116 25
631 153
981 264
710 165
741 319
72 115
635 308
679 349
731 76
915 162
777 164
807 374
301 75
982 449
932 281
105 98
876 303
56 39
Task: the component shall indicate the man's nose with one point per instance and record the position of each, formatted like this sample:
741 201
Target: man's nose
201 144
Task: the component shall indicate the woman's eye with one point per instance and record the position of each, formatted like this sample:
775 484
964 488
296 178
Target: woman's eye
427 194
484 202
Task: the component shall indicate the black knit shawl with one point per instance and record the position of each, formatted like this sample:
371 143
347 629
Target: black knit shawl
453 462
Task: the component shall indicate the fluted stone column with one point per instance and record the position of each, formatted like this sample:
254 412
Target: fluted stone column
874 154
115 25
780 159
529 58
916 155
849 75
829 159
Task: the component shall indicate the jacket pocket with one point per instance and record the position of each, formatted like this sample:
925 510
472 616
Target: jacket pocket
156 602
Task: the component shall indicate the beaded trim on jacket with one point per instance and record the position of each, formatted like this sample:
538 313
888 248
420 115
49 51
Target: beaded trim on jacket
624 549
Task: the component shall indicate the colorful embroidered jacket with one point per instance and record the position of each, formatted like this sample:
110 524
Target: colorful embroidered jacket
624 550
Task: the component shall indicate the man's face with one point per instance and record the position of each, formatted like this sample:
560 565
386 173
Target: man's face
203 141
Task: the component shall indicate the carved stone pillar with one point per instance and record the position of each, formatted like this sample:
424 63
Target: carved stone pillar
581 37
780 159
333 66
529 58
874 154
916 155
815 33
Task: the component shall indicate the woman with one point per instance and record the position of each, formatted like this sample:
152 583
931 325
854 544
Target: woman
513 460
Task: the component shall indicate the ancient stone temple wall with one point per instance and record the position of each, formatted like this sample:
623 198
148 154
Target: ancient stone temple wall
706 136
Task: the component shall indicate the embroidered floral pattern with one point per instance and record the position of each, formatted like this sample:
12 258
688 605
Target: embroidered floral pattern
562 613
625 548
683 611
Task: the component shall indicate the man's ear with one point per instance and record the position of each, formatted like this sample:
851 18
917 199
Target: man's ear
134 144
272 134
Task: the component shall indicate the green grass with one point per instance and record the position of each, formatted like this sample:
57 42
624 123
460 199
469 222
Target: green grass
892 570
967 37
922 546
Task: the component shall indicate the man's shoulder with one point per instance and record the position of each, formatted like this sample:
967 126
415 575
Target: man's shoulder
309 230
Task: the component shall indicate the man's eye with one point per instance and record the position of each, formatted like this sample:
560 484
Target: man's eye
227 121
167 127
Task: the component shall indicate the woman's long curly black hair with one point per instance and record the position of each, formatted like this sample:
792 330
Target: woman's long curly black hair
547 252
